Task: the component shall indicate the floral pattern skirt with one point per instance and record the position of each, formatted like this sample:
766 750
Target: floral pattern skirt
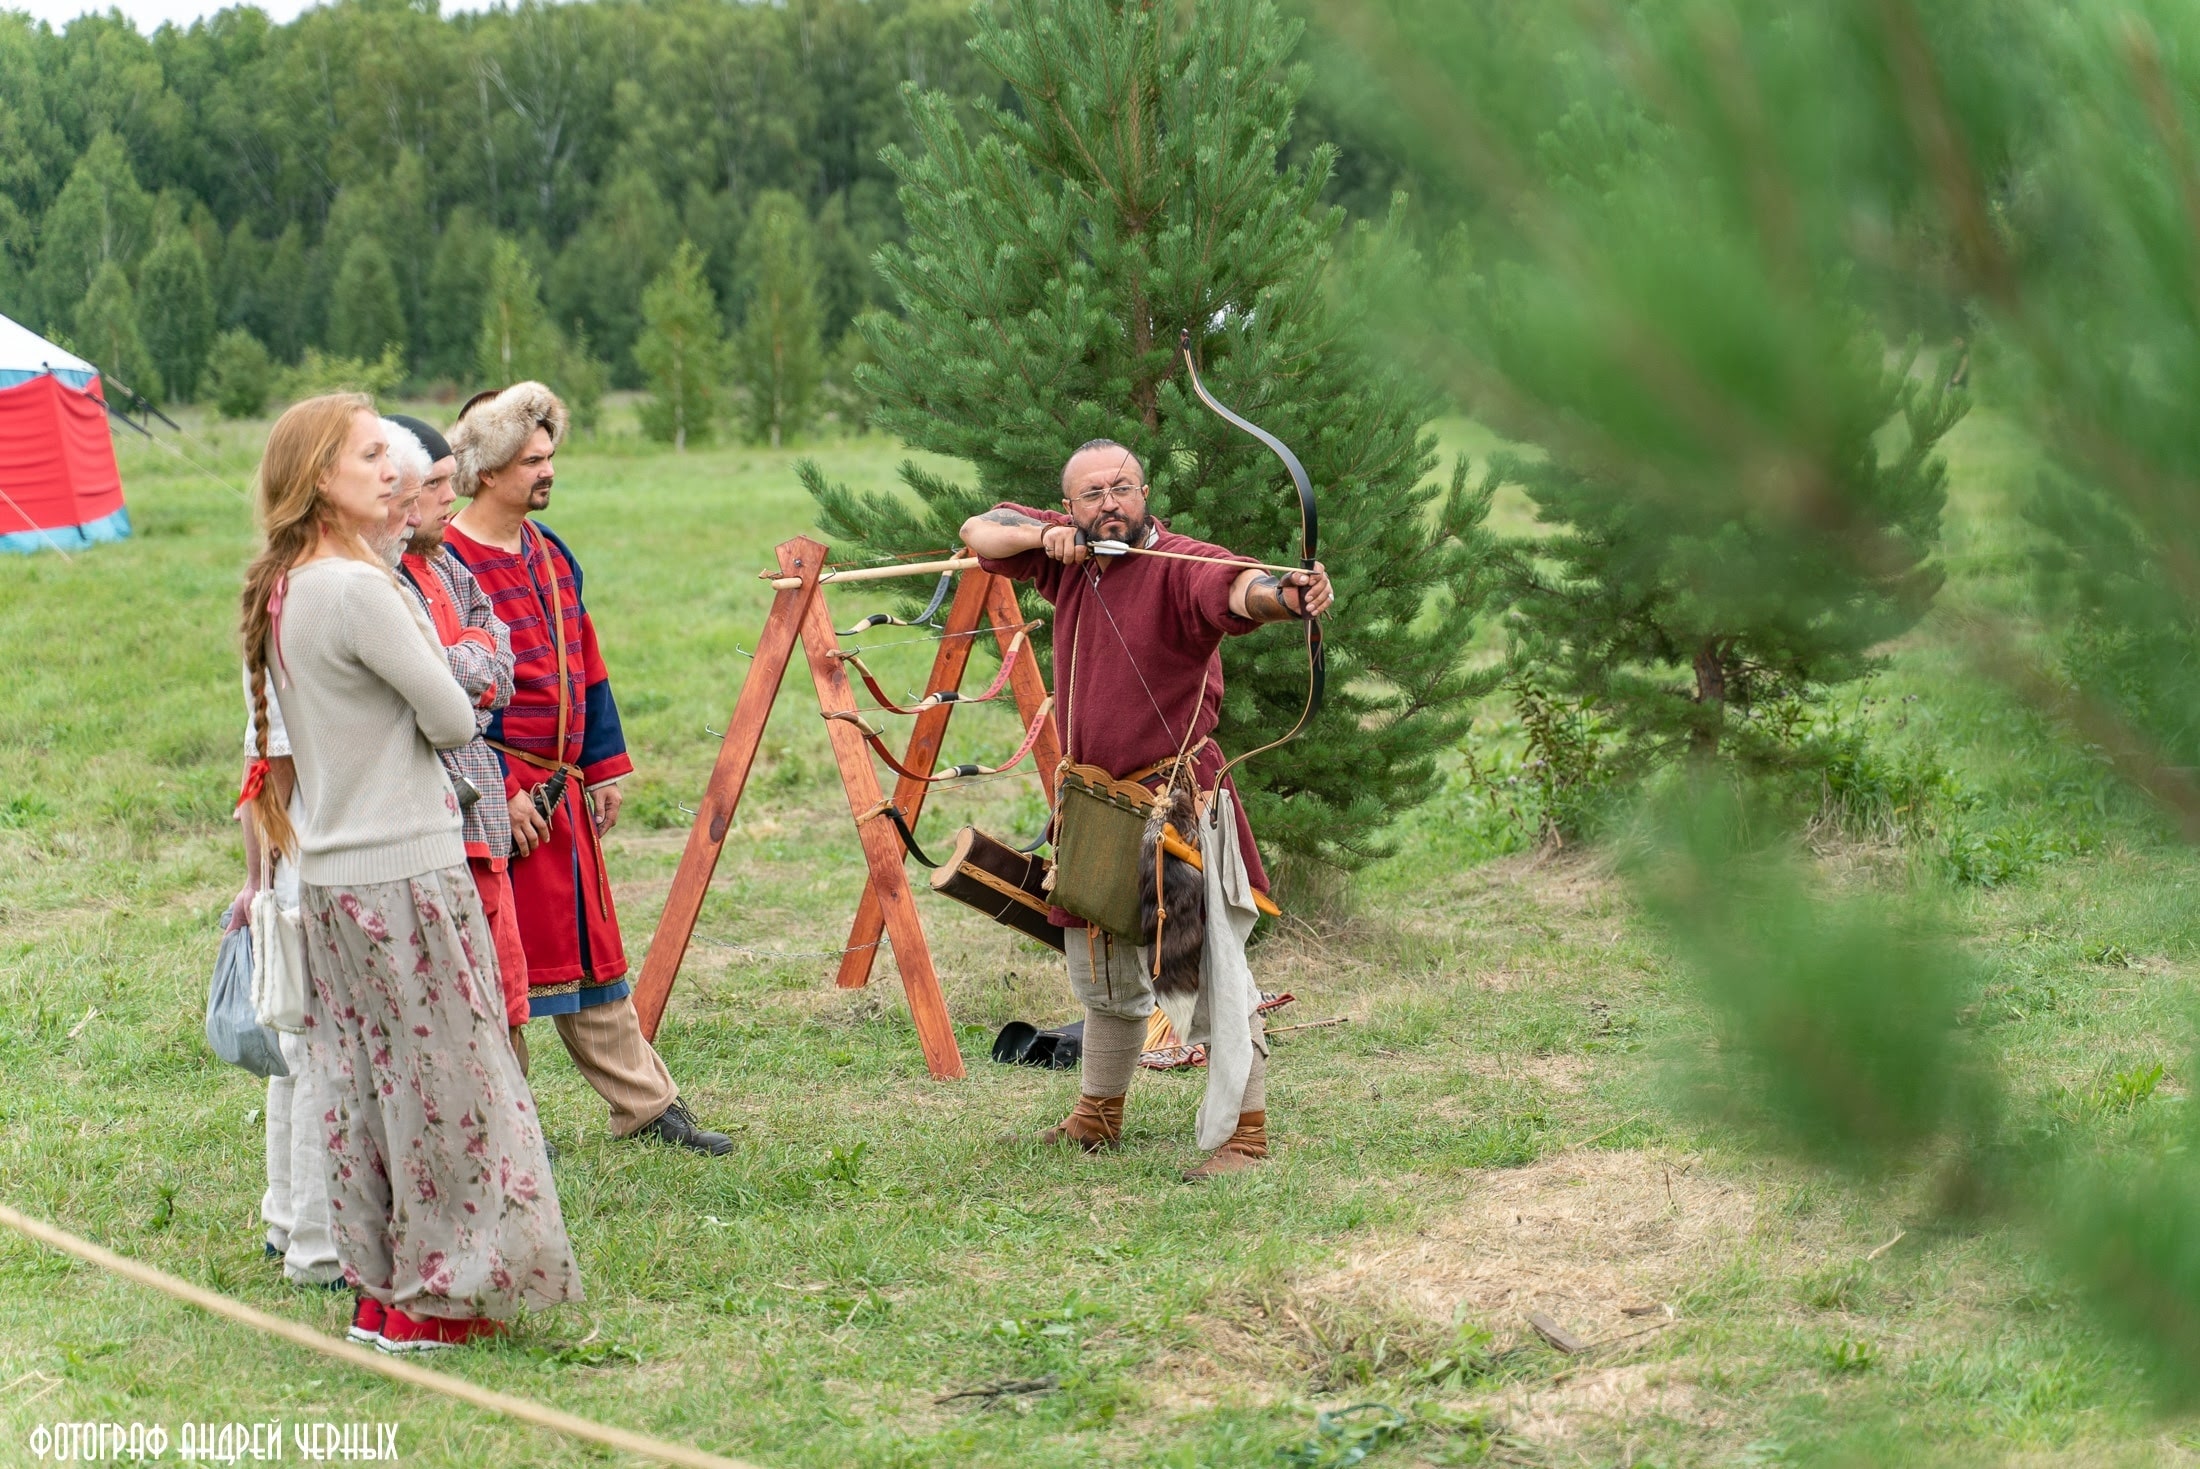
440 1195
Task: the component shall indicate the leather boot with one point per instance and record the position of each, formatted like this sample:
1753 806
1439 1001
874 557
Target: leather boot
1093 1124
1245 1147
677 1125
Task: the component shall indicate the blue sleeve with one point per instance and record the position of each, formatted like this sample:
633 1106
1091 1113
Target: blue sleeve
601 738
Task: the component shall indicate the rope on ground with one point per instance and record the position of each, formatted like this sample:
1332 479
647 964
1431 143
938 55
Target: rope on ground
364 1358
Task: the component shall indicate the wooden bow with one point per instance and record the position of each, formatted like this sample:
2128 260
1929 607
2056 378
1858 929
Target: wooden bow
1317 659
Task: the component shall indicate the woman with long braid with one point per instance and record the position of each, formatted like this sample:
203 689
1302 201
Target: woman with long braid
440 1197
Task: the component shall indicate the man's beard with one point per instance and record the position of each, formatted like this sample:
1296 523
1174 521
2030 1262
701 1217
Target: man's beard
1132 533
427 541
538 497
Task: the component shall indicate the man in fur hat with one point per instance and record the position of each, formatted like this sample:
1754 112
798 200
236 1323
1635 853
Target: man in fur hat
1138 683
564 755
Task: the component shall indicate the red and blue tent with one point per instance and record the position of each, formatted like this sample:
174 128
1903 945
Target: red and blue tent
59 487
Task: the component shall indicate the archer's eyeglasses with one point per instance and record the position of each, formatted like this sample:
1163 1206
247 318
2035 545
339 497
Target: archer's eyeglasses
1090 498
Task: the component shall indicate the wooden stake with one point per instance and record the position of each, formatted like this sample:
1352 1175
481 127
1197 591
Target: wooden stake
729 776
881 845
888 909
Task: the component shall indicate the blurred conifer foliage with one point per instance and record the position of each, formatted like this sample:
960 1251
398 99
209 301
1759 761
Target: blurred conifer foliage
1688 222
1128 189
1637 609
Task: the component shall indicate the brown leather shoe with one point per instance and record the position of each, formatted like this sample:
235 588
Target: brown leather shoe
1245 1147
1093 1124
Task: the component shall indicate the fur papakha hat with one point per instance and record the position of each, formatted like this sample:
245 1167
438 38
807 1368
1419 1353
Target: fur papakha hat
493 428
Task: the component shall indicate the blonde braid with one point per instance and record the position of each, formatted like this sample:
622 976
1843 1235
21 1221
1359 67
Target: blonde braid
267 810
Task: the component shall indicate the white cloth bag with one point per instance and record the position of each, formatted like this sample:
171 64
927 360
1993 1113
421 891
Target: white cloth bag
278 958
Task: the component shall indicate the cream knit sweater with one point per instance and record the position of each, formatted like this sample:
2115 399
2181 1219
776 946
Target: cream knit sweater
368 698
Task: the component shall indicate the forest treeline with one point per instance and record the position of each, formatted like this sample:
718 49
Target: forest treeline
345 180
343 184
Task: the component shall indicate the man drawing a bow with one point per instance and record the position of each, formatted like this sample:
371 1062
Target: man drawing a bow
1138 683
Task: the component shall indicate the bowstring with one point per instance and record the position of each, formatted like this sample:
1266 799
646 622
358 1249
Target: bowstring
1092 579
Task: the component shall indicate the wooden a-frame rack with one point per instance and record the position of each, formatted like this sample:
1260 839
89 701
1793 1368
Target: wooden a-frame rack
888 908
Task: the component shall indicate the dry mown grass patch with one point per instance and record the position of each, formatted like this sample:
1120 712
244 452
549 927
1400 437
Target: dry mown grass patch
1609 1245
1577 1236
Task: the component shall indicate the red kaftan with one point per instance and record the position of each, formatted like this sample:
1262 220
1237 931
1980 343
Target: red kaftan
561 891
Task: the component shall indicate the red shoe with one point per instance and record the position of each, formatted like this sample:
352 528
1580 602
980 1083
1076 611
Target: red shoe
367 1319
403 1333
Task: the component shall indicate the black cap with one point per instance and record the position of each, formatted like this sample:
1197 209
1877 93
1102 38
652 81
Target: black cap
437 446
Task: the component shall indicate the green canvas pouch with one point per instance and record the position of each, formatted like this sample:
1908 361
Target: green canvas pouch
1100 824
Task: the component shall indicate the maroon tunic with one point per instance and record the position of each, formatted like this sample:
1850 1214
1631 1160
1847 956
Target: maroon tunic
1137 658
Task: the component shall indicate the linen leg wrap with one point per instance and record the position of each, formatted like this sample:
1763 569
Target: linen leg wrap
1256 1079
1112 1044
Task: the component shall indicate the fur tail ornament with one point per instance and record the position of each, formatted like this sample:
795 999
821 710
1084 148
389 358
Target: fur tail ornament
1172 902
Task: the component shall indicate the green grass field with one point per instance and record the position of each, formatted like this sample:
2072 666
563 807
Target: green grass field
1489 1136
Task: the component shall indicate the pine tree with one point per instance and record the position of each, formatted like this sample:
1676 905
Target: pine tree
407 220
282 314
581 378
1051 262
852 406
18 250
1694 624
517 340
237 278
176 311
681 351
600 275
780 358
365 314
848 286
107 334
713 222
1739 484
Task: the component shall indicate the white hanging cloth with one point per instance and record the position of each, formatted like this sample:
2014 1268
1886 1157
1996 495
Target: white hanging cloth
1222 1020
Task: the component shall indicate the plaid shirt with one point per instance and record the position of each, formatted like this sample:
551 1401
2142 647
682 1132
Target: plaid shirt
487 679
